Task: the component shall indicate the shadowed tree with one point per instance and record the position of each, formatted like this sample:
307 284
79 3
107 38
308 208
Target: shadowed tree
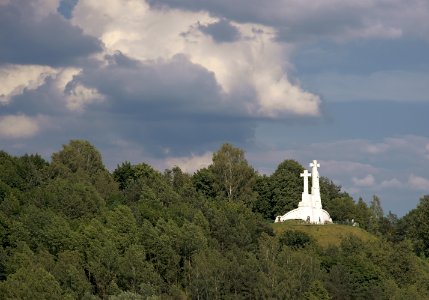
287 186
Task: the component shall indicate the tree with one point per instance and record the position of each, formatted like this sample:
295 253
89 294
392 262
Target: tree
123 174
70 274
136 274
416 226
376 208
31 283
362 214
265 201
78 156
81 161
376 214
233 175
295 239
330 191
342 210
204 182
286 185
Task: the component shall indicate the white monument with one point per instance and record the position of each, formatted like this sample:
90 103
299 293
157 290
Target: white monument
310 207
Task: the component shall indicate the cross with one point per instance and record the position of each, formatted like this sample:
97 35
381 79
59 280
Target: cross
314 163
305 175
315 177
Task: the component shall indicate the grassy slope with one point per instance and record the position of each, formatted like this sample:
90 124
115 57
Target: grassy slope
325 235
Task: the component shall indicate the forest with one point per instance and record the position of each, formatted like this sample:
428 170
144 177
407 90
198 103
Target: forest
71 229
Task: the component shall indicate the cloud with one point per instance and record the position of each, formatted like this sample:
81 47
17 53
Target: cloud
337 167
391 183
18 126
366 181
30 36
221 31
190 164
80 96
309 21
250 68
17 78
418 182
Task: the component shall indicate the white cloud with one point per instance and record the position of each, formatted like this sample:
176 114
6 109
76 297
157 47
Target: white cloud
18 126
253 66
376 148
80 96
337 167
64 76
418 182
192 163
391 183
366 181
17 78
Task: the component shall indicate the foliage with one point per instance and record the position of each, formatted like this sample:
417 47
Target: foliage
295 239
233 177
70 229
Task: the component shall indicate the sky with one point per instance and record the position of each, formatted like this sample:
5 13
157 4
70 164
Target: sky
167 82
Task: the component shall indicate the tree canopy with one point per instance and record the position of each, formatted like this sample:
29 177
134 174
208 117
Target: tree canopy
71 229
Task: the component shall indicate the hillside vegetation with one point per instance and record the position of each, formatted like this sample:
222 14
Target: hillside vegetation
326 235
70 229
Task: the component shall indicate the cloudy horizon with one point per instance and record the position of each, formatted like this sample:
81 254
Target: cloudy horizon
167 82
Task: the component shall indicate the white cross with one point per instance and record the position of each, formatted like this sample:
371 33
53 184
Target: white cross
305 175
314 163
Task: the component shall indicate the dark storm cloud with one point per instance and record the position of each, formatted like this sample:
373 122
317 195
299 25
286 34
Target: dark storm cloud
169 87
169 104
174 105
222 31
51 40
299 20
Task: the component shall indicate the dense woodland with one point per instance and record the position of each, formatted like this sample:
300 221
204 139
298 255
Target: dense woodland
70 229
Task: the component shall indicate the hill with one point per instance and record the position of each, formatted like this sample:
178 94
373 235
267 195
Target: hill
325 235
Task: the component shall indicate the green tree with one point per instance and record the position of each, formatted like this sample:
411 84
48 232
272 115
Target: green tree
136 274
362 214
73 199
416 227
81 161
31 283
234 177
286 186
204 182
123 174
342 210
376 214
265 201
330 191
295 239
376 208
70 274
317 291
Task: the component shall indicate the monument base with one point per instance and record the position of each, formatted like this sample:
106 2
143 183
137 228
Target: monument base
308 214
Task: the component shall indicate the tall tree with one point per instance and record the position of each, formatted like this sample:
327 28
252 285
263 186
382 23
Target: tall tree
81 161
376 208
234 177
376 214
287 186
